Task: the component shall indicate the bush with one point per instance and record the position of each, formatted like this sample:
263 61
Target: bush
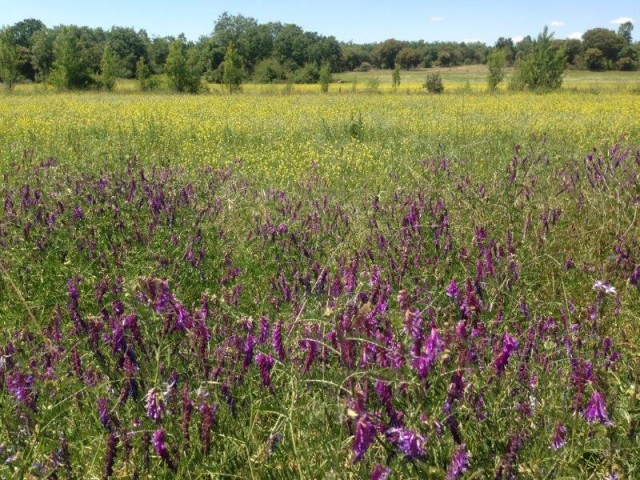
496 62
325 77
269 70
373 85
627 64
543 67
309 73
434 83
364 67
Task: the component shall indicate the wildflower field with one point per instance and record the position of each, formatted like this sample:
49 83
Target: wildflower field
287 284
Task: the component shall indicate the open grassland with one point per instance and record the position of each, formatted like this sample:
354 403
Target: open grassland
350 285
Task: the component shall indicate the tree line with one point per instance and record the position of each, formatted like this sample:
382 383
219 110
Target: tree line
239 49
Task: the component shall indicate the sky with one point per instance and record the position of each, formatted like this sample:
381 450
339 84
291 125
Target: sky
359 21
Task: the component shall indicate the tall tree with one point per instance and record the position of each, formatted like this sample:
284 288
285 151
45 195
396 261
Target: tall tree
70 67
543 67
10 60
180 69
109 66
232 69
625 32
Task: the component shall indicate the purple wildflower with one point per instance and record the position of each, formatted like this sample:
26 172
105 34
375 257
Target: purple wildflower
559 437
596 409
249 345
20 386
276 338
380 472
365 434
459 463
434 346
110 457
452 289
104 414
509 345
160 445
265 364
411 444
154 405
264 330
208 419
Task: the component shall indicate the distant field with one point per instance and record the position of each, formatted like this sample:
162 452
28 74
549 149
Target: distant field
287 284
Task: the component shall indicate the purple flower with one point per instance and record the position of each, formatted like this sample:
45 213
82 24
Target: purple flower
411 444
452 289
265 364
365 434
20 386
104 414
208 419
596 410
160 445
154 405
110 457
276 338
559 437
459 463
509 345
380 473
434 346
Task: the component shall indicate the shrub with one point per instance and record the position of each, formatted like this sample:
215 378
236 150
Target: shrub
269 70
496 62
434 83
543 67
364 67
325 77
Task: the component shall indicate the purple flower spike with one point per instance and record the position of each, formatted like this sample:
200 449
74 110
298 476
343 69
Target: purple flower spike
160 445
509 345
459 463
380 473
265 364
276 338
365 434
559 437
596 410
104 414
452 289
411 444
154 405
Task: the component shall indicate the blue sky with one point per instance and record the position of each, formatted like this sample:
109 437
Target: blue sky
348 20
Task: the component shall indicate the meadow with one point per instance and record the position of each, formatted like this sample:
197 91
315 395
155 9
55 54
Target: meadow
288 284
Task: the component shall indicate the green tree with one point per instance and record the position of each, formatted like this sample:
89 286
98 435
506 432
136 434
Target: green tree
180 69
543 67
10 60
109 66
42 55
605 40
395 77
625 32
325 77
594 59
23 34
232 69
409 58
434 84
143 75
69 68
385 53
496 62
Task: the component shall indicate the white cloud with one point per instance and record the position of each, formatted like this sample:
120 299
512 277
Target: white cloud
575 36
517 38
621 20
472 40
437 19
557 23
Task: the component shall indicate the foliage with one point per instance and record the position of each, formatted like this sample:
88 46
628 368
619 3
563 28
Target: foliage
408 58
269 70
594 59
143 74
180 69
543 67
625 31
496 62
109 68
42 55
386 52
325 77
10 60
69 70
232 69
434 84
605 40
395 76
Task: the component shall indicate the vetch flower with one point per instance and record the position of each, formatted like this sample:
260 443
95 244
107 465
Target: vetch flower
380 472
364 437
410 443
596 410
459 462
160 445
559 437
154 405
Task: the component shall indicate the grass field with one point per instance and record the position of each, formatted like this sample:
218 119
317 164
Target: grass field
295 285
